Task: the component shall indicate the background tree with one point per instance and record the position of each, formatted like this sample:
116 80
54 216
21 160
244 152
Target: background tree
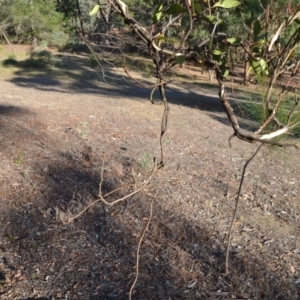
36 21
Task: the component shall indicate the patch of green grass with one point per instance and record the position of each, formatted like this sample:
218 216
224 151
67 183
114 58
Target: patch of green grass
147 69
2 282
19 160
11 238
253 109
34 276
166 141
83 129
93 63
256 111
43 46
12 56
283 115
146 161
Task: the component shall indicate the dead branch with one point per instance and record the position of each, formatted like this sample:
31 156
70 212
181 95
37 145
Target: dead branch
155 168
102 197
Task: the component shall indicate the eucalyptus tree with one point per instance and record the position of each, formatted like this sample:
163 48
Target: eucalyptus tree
36 20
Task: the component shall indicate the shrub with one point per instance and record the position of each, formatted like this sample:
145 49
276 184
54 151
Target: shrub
38 59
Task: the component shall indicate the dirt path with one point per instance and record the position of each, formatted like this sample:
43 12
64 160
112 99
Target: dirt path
55 133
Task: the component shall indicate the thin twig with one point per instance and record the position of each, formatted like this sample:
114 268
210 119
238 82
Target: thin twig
6 38
101 197
236 206
156 167
152 172
187 5
139 248
171 21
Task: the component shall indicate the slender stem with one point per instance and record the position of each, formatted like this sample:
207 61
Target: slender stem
236 206
164 122
6 38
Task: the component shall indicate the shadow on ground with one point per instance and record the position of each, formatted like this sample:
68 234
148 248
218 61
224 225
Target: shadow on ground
12 111
75 75
94 256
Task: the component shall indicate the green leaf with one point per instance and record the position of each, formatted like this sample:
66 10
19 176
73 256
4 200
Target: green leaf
198 8
255 64
208 18
259 66
94 10
157 15
192 5
256 50
259 43
227 3
211 19
233 41
175 9
225 73
180 59
256 28
216 52
264 66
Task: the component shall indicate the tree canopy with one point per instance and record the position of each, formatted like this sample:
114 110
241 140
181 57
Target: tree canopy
35 19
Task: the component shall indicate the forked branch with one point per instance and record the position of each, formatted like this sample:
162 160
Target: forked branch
245 134
102 197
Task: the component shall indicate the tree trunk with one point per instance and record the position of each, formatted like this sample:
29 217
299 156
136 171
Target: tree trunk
34 43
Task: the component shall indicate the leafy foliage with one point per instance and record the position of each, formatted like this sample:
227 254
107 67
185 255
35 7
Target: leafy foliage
37 19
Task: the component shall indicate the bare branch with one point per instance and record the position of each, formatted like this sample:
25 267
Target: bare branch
187 5
171 21
101 197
